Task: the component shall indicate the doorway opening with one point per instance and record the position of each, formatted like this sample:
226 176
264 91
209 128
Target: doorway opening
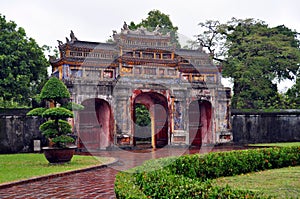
154 133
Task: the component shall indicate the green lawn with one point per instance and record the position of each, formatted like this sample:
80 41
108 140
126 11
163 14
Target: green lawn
278 183
23 166
280 144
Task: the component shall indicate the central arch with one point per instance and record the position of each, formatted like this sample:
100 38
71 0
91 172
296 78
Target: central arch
157 106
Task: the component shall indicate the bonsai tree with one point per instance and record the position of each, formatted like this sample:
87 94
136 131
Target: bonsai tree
56 129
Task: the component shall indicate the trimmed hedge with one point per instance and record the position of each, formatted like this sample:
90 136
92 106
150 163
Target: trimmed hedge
215 165
189 176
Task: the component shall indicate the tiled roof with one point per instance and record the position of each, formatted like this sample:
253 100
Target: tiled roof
83 59
89 44
187 52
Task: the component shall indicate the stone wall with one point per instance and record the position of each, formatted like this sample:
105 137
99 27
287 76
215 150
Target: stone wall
17 131
262 127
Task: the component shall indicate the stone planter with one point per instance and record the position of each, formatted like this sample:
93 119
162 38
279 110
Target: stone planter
59 155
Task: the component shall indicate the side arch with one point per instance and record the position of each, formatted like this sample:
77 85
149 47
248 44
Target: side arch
200 119
96 125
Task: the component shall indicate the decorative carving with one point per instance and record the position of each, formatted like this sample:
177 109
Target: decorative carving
60 43
142 30
178 125
72 36
125 26
51 58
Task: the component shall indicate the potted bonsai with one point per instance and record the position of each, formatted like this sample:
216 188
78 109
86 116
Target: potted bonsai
56 129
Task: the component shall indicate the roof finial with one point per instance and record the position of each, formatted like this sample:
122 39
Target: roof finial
72 35
125 26
60 43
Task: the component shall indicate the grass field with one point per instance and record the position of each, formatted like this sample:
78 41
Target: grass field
278 183
279 144
23 166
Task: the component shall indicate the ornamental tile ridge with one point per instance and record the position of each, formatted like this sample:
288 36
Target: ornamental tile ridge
147 47
139 33
156 37
144 32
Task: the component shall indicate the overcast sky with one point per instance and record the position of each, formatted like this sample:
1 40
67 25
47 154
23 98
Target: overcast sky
93 20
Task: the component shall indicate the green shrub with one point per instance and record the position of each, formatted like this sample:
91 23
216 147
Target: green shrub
54 89
56 129
57 113
49 129
189 176
36 112
162 184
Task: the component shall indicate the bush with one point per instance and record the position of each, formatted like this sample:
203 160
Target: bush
56 129
57 113
215 165
36 112
189 176
54 89
63 125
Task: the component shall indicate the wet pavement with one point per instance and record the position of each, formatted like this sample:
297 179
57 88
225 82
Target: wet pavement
98 183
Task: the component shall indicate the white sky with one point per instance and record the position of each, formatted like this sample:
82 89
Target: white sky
93 20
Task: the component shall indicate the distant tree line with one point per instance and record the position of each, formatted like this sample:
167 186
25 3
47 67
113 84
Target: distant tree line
256 57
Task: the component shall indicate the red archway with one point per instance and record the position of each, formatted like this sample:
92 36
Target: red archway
158 107
95 125
200 113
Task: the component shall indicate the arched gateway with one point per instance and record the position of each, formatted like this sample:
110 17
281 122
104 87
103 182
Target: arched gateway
96 125
180 88
157 105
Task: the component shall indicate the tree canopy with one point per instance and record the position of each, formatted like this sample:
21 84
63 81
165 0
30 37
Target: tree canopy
293 94
255 56
158 19
23 66
142 115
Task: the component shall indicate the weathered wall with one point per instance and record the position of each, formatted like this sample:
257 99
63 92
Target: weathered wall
258 127
17 131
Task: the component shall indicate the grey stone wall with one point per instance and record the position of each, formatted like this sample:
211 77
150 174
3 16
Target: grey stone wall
262 127
17 131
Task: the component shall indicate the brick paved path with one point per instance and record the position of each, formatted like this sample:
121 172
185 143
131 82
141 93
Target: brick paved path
97 183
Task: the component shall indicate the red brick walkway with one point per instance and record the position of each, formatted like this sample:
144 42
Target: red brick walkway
98 183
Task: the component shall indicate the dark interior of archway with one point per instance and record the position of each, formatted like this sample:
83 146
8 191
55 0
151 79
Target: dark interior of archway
142 122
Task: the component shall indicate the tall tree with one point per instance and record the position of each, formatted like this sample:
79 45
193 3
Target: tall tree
293 95
23 66
162 21
254 56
